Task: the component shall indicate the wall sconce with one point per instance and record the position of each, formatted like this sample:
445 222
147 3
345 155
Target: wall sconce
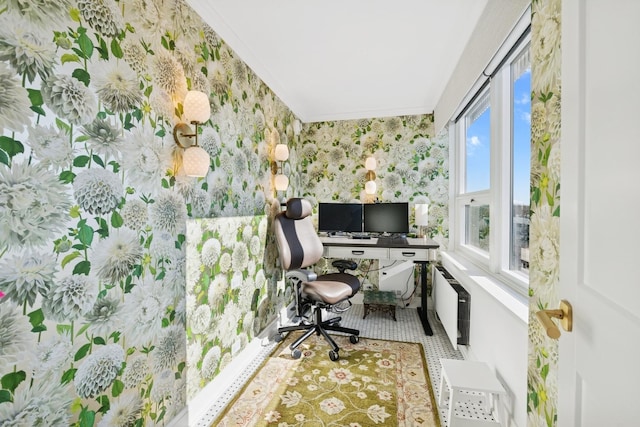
422 217
196 110
281 155
370 165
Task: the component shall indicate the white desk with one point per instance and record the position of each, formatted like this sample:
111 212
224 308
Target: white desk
419 250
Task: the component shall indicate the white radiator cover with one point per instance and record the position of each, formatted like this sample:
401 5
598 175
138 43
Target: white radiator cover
446 306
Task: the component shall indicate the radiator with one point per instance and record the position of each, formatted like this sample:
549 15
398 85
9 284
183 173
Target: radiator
452 306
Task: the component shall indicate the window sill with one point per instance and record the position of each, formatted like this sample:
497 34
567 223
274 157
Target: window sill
468 273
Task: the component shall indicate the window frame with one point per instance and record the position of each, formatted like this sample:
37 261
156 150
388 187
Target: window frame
495 261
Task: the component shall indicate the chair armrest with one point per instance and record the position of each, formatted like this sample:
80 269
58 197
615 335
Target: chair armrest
344 264
301 275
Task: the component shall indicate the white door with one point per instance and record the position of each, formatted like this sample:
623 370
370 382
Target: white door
599 372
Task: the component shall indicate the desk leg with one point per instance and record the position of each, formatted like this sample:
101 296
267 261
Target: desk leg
422 310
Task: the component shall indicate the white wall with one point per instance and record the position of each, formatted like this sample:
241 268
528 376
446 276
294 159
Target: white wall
498 332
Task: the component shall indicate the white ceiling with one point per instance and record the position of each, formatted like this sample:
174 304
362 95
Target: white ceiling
348 59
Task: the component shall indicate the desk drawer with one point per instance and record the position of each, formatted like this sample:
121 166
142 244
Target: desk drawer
409 254
356 252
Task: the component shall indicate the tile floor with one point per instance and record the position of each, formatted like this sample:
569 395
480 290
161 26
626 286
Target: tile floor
379 325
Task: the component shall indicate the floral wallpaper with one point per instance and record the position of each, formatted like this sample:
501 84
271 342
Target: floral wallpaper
412 166
545 208
226 292
94 309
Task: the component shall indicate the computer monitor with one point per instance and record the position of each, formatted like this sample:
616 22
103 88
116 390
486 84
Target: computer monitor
340 217
386 218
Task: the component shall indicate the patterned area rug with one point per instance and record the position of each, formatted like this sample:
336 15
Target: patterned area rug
375 382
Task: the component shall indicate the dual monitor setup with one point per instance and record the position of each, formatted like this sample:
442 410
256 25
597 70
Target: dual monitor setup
358 218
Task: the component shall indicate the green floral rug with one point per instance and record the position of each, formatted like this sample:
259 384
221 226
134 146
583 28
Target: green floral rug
374 383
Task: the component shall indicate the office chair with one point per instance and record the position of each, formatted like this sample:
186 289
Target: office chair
299 247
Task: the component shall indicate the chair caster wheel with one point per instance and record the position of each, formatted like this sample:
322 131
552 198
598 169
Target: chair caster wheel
278 337
333 355
296 354
354 339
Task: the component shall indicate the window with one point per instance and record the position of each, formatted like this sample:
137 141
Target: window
492 152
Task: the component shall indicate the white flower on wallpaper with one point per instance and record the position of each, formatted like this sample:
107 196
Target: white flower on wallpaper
136 371
43 404
163 385
25 276
71 297
105 138
134 214
211 252
145 306
146 158
51 146
33 205
170 348
14 102
15 340
210 362
169 75
68 97
123 411
115 256
98 370
27 49
168 212
105 316
97 191
200 320
546 52
102 15
51 356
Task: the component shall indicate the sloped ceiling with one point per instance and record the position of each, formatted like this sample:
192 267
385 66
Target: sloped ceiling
348 59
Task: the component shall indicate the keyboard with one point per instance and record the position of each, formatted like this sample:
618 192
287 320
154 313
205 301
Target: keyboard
392 241
360 236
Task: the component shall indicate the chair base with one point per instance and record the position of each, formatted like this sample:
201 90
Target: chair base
320 327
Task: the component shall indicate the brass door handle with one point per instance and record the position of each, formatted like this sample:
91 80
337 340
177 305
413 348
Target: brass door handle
564 313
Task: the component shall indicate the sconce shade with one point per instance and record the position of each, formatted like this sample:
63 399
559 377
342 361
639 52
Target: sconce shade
370 187
195 161
281 182
370 164
422 214
196 107
281 153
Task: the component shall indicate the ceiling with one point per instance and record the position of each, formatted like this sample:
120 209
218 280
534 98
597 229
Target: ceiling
348 59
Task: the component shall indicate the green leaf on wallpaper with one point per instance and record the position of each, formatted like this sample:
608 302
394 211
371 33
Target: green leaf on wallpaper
67 177
11 146
83 267
81 161
82 75
82 352
556 211
5 396
87 418
544 372
98 160
66 260
4 158
550 199
69 57
36 318
117 388
116 220
116 49
12 380
535 196
86 45
35 96
99 341
85 234
104 403
68 376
